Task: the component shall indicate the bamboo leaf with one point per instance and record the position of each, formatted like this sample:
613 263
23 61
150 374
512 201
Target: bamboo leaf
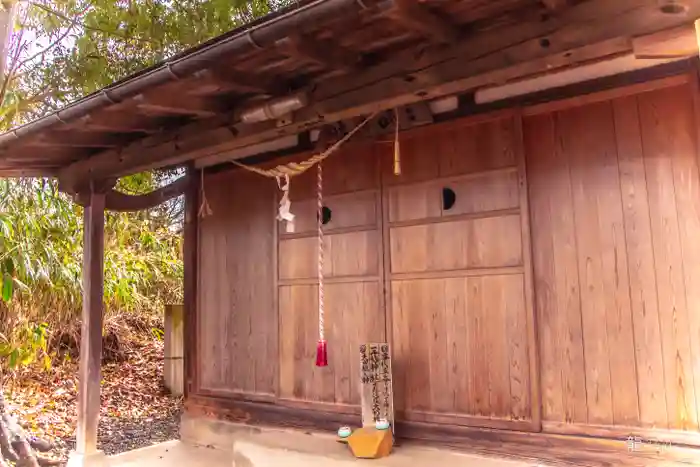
6 288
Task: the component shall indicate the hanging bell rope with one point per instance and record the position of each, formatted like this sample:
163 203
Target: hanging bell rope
322 346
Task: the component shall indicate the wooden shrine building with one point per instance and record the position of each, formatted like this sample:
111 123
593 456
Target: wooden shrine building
535 266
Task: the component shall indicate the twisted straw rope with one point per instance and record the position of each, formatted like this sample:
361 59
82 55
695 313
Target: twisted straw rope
292 169
297 168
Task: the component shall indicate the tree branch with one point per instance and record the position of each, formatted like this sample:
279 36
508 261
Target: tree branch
49 47
89 28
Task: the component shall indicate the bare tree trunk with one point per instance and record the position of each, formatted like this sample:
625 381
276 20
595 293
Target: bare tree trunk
8 8
16 446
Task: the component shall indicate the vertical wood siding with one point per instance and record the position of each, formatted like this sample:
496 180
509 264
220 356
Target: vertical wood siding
615 221
561 289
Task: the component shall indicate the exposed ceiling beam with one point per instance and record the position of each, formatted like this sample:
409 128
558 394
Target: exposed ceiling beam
76 140
476 61
670 43
174 104
38 171
237 80
419 18
330 56
556 5
111 121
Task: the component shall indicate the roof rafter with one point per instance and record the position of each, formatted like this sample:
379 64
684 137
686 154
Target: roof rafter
419 18
480 59
173 104
329 55
556 5
233 79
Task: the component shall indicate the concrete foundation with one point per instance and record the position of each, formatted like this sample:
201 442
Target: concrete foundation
245 446
95 459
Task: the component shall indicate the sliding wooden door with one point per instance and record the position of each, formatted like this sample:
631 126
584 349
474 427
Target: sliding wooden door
458 268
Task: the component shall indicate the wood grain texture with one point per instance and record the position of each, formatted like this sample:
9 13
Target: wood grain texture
643 294
353 316
457 284
615 199
91 326
667 124
477 192
353 269
190 253
556 275
236 300
347 210
479 243
467 334
348 254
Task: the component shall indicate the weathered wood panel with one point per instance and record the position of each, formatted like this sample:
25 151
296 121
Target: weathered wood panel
615 200
352 316
237 317
353 267
474 193
348 254
479 243
556 274
458 301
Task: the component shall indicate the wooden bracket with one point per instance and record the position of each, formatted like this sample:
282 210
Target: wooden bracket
117 201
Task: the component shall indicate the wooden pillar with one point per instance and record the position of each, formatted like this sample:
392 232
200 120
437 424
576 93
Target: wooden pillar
91 331
190 251
173 349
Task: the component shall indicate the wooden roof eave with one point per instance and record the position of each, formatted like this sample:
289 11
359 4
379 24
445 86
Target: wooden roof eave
579 34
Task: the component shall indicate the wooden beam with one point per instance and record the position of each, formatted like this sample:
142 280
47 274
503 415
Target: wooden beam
91 329
474 62
330 56
234 79
417 17
677 42
175 104
555 5
111 121
117 201
77 139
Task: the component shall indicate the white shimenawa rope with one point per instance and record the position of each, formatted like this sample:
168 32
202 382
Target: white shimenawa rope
319 189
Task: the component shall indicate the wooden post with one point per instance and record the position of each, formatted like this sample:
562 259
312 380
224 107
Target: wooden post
91 331
190 247
173 349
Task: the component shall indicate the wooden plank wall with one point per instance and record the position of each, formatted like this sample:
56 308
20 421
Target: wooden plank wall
354 311
457 277
585 309
615 202
237 319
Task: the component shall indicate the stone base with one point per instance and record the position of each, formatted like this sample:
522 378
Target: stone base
95 459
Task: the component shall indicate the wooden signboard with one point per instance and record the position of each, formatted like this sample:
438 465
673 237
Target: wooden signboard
376 388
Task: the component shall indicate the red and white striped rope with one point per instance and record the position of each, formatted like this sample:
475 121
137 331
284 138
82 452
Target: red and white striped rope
321 311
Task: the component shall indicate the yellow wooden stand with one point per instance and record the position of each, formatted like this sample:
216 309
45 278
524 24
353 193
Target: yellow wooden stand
370 443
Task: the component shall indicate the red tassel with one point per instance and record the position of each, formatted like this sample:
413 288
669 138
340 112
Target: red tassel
322 353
